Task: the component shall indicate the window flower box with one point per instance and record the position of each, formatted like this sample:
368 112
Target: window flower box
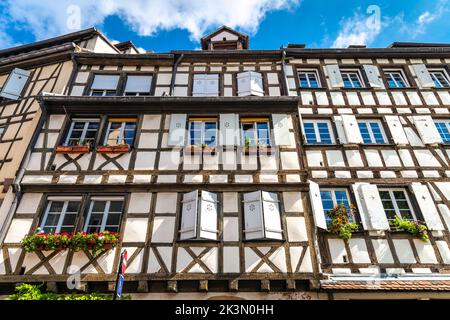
122 148
197 150
95 242
257 150
73 149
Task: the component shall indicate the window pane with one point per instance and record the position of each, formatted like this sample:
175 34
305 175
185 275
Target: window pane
56 206
363 128
99 206
443 131
310 133
324 133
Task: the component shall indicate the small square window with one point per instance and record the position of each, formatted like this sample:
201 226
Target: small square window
331 198
255 133
138 85
352 79
104 215
372 131
396 203
82 132
120 131
318 132
203 132
443 127
309 78
395 78
440 78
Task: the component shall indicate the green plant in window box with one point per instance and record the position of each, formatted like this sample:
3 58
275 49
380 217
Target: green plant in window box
416 228
340 224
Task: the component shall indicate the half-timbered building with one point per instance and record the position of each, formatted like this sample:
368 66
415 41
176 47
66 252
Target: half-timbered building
219 168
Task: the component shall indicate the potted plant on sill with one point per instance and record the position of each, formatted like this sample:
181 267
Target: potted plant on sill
119 148
340 224
200 149
248 148
81 147
40 241
416 228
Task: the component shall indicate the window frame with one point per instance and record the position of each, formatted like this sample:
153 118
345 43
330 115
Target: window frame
396 209
314 71
86 121
63 212
106 211
400 71
255 131
358 74
372 137
332 190
121 134
203 123
446 122
445 75
316 131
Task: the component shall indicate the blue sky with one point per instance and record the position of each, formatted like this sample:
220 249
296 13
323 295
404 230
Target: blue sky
163 25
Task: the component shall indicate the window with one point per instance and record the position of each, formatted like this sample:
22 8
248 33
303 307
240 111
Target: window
318 132
82 132
371 131
15 84
308 78
250 83
332 198
352 79
104 215
255 132
60 215
203 132
396 203
105 85
138 85
2 130
395 79
443 128
120 131
440 78
205 85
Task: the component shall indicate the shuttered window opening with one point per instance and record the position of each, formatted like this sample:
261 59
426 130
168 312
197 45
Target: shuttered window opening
262 216
199 216
60 215
395 78
138 85
370 206
443 127
255 132
373 76
15 84
309 78
427 206
205 85
348 129
352 79
427 129
120 131
105 85
396 129
203 132
424 78
372 131
82 132
396 202
331 198
229 130
104 214
250 83
318 132
177 130
440 78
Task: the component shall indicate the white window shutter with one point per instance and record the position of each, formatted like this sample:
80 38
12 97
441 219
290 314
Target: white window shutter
340 129
396 128
199 85
229 130
253 216
105 82
316 205
427 129
272 218
244 84
351 129
177 130
334 74
427 206
281 133
189 212
212 85
256 84
15 84
371 207
208 216
423 76
373 75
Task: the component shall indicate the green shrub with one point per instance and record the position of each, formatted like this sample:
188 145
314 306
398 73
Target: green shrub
340 225
33 292
417 228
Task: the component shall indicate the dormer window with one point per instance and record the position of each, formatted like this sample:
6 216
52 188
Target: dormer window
225 38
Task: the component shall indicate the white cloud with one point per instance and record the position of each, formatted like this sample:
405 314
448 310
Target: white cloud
145 17
428 17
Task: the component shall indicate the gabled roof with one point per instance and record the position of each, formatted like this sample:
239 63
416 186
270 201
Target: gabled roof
241 36
123 46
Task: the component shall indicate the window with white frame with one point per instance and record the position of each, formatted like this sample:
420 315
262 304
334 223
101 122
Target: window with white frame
203 132
372 131
309 78
318 132
82 132
105 85
443 127
332 197
120 131
395 78
352 79
138 85
60 215
440 78
396 203
255 132
104 214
